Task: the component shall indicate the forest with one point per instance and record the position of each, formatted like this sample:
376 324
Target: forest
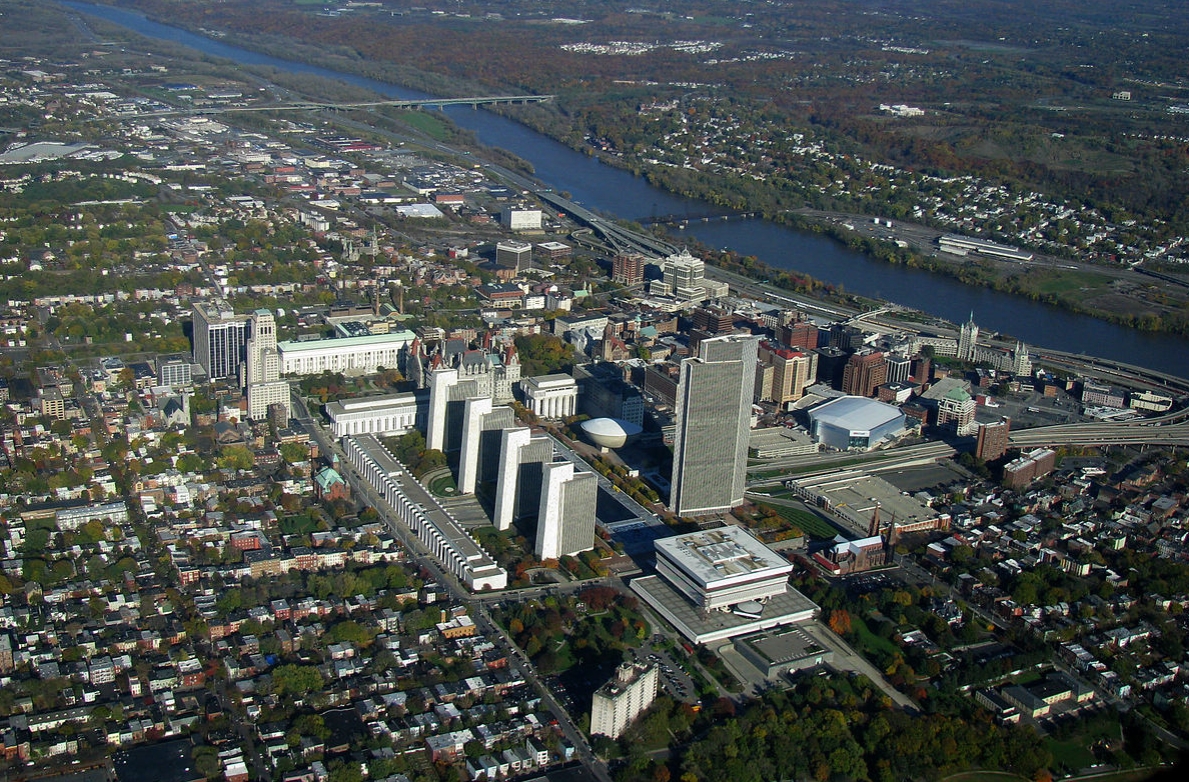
1051 125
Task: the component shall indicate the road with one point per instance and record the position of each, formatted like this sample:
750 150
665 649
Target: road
483 621
869 461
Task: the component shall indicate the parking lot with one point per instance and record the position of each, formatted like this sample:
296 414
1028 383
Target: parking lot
673 680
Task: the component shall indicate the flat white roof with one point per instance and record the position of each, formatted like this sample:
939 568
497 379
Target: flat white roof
346 343
714 556
360 404
857 413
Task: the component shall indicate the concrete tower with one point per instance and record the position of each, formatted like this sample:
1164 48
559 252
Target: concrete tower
713 416
521 475
566 516
482 426
262 368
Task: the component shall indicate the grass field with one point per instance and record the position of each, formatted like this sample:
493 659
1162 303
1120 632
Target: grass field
1072 754
1060 282
443 486
425 121
301 524
869 639
810 523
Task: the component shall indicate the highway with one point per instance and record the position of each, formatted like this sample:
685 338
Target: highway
1102 434
473 102
831 462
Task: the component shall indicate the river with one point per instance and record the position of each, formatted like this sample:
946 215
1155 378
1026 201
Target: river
616 192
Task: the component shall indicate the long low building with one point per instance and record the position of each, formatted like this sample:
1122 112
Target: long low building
349 355
387 415
434 527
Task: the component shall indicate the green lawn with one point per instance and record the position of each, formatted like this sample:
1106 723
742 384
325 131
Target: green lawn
869 639
443 486
427 122
810 523
1074 755
1060 282
300 524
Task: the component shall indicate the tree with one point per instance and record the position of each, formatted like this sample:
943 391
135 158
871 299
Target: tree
294 452
840 621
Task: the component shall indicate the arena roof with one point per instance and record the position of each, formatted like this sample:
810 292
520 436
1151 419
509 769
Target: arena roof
855 413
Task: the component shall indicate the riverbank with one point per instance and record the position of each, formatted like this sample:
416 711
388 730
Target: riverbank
1144 304
614 190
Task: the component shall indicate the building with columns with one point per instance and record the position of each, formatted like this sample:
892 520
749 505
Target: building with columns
349 355
550 396
383 416
416 508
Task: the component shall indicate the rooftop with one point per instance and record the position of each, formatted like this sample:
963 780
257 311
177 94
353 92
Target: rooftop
855 412
715 554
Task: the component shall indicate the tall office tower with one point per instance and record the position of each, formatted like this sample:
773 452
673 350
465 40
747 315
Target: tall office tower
219 337
447 396
482 426
898 368
566 515
514 254
713 418
956 410
621 700
864 372
602 392
685 278
792 373
628 268
845 337
714 320
831 363
521 472
1021 364
922 369
764 376
967 340
262 368
993 439
799 334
